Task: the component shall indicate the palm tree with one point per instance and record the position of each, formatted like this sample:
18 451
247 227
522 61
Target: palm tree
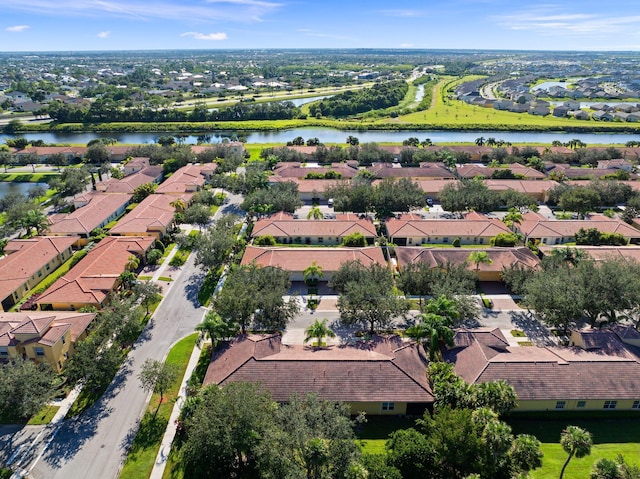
444 307
312 272
215 328
491 141
479 257
318 330
436 330
426 142
315 213
133 262
576 442
179 205
126 279
480 141
35 218
512 217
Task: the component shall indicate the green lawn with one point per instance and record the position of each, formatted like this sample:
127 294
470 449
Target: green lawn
44 416
145 446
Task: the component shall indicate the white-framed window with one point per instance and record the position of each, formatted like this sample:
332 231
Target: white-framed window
581 404
388 406
635 405
39 352
561 404
610 404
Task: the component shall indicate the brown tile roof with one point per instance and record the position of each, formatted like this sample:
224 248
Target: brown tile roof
385 369
437 257
434 187
551 373
425 170
129 183
593 173
296 170
41 323
87 218
306 186
529 187
187 178
566 228
95 275
154 213
408 226
298 259
316 228
600 253
24 258
473 170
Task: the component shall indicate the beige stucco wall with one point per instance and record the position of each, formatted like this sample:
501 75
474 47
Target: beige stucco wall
572 405
375 408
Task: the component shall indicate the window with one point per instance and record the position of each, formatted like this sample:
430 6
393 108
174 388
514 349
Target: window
581 404
561 404
39 352
64 341
445 240
610 404
48 267
410 240
635 405
481 240
4 352
388 406
39 274
320 239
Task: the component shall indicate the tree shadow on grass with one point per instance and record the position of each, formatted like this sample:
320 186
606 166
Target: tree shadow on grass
533 328
146 433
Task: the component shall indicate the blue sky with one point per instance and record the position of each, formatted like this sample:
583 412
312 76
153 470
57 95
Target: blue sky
47 25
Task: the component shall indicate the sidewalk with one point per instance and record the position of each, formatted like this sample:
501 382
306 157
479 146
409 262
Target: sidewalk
170 433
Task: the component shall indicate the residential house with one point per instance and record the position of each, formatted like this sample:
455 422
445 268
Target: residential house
187 179
475 228
27 262
600 373
301 170
561 111
520 171
601 253
44 337
432 188
287 230
602 115
382 376
89 283
43 153
553 232
538 190
135 164
152 217
93 210
118 153
236 147
426 171
310 190
128 184
440 257
296 260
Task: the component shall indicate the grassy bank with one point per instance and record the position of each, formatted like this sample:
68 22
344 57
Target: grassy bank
145 446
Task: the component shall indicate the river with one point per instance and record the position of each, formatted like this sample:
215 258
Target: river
329 135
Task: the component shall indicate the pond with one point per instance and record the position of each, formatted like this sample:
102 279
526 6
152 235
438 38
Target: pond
15 187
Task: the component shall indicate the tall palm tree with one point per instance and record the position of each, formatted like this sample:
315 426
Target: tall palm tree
576 442
445 307
315 213
312 272
432 331
35 218
480 141
478 257
133 262
179 205
318 330
215 328
491 141
512 217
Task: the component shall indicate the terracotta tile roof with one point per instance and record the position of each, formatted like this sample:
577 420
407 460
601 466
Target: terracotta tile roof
634 185
154 213
409 227
95 275
552 373
42 323
425 170
473 170
46 151
187 178
600 253
296 170
315 228
87 218
528 187
385 369
306 186
129 183
433 187
24 258
566 228
298 259
437 257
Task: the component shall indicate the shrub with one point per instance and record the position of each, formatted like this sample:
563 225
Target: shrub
177 261
267 240
505 239
153 256
456 243
354 240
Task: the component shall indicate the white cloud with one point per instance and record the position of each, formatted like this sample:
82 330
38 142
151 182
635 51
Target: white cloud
198 10
407 45
205 36
17 28
552 20
105 34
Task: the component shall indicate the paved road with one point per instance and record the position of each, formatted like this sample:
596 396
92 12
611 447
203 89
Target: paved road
95 444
